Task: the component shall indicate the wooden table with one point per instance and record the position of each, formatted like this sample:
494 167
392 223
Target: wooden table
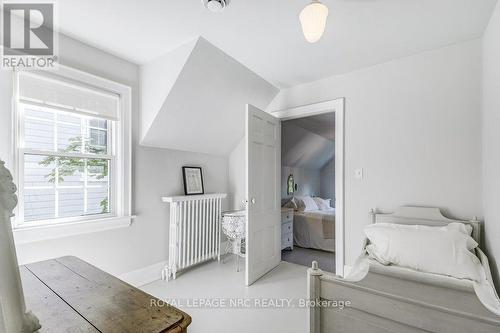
69 295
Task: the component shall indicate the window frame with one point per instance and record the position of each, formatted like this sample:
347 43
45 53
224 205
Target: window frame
23 151
120 165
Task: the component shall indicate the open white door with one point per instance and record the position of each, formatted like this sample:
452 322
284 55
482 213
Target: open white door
263 168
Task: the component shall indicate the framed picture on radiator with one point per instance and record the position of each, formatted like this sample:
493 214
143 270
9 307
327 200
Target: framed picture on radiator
193 180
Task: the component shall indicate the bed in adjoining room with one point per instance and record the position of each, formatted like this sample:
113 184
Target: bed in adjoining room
313 224
315 229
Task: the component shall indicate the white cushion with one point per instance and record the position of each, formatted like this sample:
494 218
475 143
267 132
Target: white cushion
323 204
439 250
305 204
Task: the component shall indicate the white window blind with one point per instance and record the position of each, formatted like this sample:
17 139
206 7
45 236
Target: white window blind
67 149
63 94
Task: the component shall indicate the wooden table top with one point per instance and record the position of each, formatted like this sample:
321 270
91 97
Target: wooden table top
69 295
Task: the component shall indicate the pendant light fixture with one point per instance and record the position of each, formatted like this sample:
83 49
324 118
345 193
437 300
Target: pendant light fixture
313 20
215 6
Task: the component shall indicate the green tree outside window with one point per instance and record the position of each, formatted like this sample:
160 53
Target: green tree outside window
69 166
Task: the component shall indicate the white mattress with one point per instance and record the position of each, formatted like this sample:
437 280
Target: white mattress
424 277
309 232
484 288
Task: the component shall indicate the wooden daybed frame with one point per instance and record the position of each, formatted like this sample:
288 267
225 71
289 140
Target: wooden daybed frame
397 300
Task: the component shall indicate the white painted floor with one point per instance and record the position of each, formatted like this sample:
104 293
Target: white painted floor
216 280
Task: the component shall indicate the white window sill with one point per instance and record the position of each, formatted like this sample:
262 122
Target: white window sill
53 231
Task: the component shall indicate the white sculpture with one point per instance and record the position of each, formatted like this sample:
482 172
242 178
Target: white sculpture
13 315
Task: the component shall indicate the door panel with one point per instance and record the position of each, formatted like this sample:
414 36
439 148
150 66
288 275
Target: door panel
263 230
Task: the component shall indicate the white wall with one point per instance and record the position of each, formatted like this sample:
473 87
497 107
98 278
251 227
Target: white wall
491 140
156 172
413 124
5 117
236 179
307 180
327 187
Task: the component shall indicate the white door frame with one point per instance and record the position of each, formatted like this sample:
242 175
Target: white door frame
337 106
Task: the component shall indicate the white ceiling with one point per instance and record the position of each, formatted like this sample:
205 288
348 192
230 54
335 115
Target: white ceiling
265 35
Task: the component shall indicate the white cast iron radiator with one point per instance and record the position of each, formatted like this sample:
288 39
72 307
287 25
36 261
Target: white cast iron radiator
194 231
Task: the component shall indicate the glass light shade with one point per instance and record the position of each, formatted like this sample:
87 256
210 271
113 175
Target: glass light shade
215 6
313 21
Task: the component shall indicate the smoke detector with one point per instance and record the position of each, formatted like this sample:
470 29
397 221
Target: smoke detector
215 6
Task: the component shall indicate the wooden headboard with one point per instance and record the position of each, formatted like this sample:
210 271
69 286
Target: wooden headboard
430 216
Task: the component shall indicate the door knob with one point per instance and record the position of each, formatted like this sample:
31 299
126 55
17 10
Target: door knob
252 201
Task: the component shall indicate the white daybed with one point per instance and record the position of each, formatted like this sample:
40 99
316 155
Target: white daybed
400 300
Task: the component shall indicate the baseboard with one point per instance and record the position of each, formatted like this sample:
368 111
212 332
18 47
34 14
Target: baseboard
148 274
145 275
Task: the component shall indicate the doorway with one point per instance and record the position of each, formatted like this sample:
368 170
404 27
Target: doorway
308 190
262 147
337 108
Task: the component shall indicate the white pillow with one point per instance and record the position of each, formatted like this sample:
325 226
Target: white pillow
439 250
305 204
323 204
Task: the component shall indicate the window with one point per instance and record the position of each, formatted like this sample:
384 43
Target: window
71 149
67 164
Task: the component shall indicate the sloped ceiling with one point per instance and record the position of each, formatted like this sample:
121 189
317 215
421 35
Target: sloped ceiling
158 79
194 99
301 148
322 125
